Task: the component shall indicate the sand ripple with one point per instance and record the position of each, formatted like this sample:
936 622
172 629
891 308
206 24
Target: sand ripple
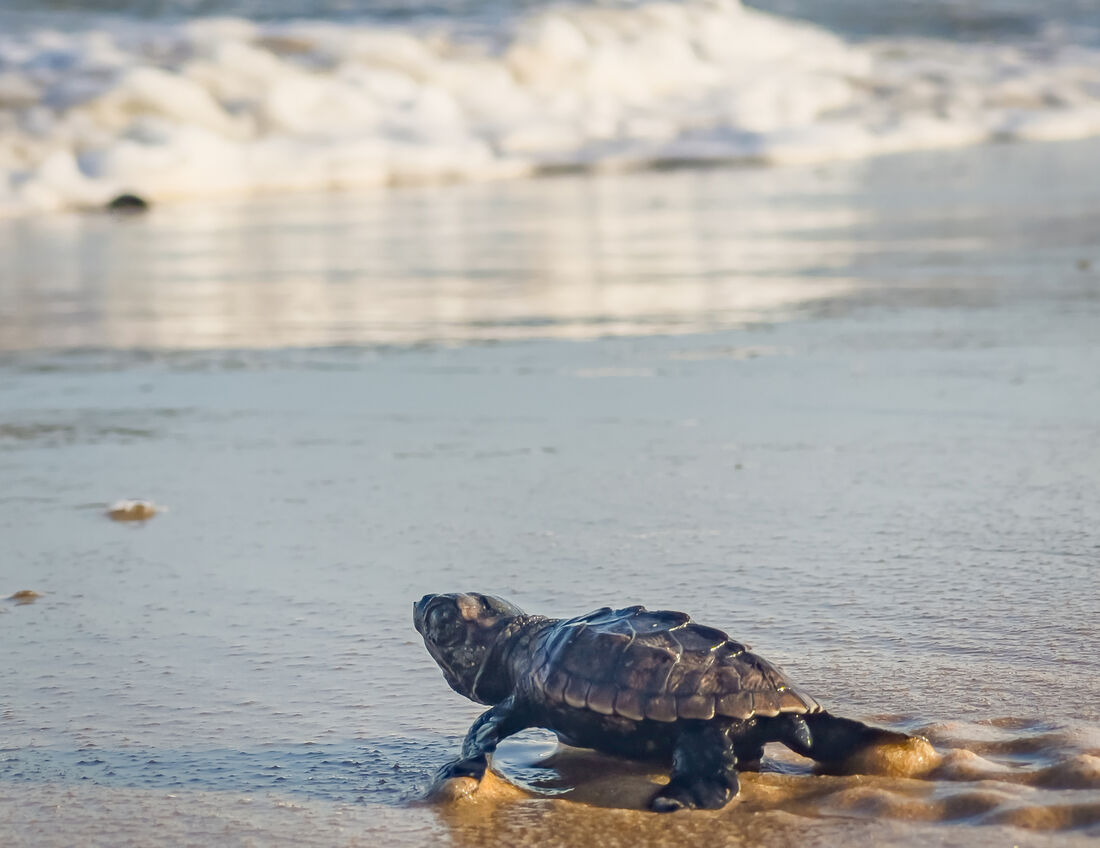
1002 773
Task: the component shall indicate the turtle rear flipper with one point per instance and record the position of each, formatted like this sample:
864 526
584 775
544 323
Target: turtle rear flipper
832 740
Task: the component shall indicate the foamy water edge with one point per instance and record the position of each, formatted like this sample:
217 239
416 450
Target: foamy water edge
228 106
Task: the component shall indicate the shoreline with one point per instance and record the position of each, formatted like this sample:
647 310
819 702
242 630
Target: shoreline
577 257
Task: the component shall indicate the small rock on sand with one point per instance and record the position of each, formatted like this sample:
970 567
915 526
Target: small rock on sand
132 510
24 596
128 204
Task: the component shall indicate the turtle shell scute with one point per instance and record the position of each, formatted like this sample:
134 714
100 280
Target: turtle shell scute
658 665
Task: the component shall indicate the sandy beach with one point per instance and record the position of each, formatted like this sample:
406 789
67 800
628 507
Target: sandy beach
850 413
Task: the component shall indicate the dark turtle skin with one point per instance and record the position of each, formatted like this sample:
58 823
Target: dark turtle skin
638 683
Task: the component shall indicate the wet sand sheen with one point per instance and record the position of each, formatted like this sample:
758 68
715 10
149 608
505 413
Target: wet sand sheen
774 810
961 786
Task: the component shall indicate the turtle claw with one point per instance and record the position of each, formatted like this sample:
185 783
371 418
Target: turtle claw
662 803
469 767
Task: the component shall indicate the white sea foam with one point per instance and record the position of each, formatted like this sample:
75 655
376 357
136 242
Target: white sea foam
220 106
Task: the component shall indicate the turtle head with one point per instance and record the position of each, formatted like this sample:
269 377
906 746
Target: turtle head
460 632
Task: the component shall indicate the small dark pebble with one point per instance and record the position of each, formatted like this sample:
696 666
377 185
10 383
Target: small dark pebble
128 204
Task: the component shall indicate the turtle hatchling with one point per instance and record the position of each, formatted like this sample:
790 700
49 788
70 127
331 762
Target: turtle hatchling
638 683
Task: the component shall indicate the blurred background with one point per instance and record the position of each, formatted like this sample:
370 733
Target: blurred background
206 99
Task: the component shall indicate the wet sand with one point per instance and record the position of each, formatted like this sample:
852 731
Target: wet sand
868 445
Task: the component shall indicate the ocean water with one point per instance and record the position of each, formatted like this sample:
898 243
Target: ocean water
950 19
201 99
848 412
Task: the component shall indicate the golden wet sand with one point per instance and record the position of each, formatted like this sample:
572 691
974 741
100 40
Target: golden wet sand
772 809
592 797
46 815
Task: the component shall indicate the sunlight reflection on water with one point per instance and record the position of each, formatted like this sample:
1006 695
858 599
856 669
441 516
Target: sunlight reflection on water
560 258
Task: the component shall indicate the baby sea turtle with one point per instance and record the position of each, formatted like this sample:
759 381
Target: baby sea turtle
645 684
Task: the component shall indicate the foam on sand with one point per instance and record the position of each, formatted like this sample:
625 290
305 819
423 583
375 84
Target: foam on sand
226 106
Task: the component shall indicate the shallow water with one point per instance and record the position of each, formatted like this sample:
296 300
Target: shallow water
867 444
683 251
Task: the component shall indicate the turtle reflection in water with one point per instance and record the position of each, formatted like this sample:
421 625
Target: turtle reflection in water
638 683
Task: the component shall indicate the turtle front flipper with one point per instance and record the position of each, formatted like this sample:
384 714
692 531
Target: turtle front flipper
491 727
704 771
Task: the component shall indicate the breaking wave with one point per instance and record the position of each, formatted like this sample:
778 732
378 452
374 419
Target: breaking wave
229 106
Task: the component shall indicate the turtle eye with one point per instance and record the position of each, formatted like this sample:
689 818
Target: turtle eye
445 626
